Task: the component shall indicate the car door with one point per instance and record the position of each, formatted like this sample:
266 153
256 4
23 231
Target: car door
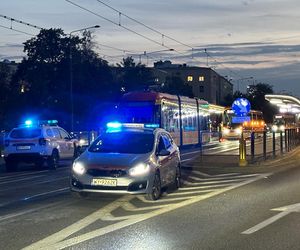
163 161
67 143
172 158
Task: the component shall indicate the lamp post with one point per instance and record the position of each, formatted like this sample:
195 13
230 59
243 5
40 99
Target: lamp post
71 71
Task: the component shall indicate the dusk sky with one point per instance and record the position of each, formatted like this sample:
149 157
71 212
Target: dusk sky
242 38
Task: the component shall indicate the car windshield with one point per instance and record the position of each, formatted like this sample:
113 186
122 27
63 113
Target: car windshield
124 143
24 133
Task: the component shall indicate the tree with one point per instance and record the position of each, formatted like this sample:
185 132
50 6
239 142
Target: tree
5 92
256 96
133 76
47 73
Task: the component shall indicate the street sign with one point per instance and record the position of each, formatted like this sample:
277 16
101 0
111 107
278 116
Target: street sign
241 107
240 119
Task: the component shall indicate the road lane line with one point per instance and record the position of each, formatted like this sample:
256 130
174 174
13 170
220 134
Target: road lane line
222 178
22 179
46 193
77 226
132 208
13 215
191 192
56 241
203 187
266 222
210 182
33 184
21 174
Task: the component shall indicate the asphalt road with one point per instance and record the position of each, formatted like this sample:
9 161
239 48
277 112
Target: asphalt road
223 209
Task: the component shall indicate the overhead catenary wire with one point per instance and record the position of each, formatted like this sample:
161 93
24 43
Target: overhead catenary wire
23 32
117 24
21 22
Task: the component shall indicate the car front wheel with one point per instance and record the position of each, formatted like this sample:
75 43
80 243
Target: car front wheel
155 192
53 160
177 180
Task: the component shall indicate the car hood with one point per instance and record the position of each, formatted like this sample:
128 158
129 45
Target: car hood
112 160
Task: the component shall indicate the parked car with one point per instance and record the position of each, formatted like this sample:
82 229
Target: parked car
128 158
38 143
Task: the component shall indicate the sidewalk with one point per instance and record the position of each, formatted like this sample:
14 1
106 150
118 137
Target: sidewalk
213 164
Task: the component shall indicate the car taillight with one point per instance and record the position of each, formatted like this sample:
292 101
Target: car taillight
6 143
42 141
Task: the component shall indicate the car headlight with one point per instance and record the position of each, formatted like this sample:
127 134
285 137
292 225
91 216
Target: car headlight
139 169
238 130
78 168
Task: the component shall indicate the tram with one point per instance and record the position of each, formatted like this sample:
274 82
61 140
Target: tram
187 119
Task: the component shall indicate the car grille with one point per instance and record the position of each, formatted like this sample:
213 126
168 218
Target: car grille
122 188
106 173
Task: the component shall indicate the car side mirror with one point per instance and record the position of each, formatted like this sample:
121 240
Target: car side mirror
164 152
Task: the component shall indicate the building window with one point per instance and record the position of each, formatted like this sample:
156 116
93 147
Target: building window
201 89
201 78
190 78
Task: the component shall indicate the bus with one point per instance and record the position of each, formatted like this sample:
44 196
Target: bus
233 130
186 119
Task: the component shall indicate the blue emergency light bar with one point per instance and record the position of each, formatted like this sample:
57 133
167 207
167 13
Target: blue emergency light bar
30 123
118 125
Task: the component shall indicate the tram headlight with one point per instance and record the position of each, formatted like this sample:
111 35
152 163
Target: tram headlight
282 128
226 131
274 128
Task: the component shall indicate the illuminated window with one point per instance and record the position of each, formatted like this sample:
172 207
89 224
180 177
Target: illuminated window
201 78
190 78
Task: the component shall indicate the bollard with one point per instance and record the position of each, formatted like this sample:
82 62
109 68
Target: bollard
286 140
281 143
252 146
242 152
274 145
265 144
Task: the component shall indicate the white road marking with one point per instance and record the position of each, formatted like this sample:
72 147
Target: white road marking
189 159
13 215
131 208
46 193
222 178
207 182
191 192
14 175
203 187
22 179
59 240
35 183
285 211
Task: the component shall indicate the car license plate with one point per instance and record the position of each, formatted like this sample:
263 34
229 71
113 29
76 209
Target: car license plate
104 182
23 147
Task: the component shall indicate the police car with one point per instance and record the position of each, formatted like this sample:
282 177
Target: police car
128 158
38 143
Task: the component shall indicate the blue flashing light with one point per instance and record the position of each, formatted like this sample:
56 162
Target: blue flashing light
151 125
28 123
114 125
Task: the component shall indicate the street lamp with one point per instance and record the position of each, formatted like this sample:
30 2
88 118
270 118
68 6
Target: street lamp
71 71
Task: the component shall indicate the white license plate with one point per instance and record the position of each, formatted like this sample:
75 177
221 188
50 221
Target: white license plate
104 182
23 147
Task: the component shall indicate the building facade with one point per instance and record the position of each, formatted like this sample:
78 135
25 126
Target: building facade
205 82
